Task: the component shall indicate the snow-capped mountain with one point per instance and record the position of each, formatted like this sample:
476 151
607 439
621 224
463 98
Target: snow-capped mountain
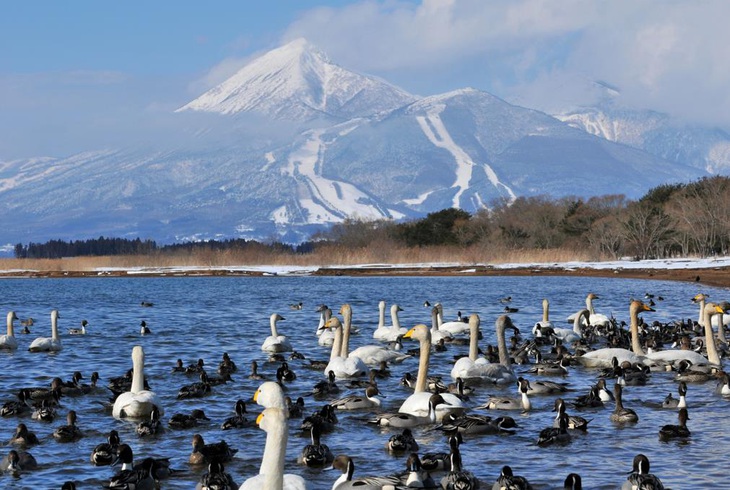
398 157
656 133
298 82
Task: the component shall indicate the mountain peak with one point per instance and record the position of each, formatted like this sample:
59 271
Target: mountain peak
298 82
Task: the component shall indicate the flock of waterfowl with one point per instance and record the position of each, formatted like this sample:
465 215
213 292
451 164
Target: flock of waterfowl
537 363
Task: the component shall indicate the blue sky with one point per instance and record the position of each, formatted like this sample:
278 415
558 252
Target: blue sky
79 75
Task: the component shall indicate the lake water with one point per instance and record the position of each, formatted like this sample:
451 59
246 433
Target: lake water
202 317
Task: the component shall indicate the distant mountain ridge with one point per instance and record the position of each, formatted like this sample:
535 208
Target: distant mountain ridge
365 149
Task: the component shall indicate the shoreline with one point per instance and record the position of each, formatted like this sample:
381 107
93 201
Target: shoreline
718 276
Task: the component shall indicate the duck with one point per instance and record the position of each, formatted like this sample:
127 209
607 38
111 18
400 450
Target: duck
508 403
79 331
69 432
575 422
476 424
152 426
325 417
358 402
474 367
573 482
8 341
457 478
137 402
74 387
195 390
402 443
552 435
138 477
640 478
273 421
196 367
508 480
551 369
23 436
402 419
681 402
283 373
239 420
347 481
45 411
147 304
603 358
316 454
216 478
276 342
679 431
416 476
205 453
371 355
105 453
185 421
21 406
296 306
439 461
143 328
17 461
255 371
295 408
349 366
419 403
48 344
620 414
540 387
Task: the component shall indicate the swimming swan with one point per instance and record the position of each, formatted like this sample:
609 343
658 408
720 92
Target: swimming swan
381 331
395 330
8 341
271 477
596 319
349 367
418 402
474 367
436 333
275 342
137 402
575 334
371 355
46 344
454 328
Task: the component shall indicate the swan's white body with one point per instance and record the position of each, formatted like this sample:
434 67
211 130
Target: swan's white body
436 333
602 358
596 319
271 476
381 331
138 402
454 328
343 367
395 329
418 403
371 355
575 334
474 367
48 344
276 342
8 341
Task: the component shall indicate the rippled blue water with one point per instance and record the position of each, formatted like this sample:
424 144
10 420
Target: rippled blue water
202 317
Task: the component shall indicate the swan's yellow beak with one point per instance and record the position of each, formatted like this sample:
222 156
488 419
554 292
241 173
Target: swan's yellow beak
259 418
409 333
256 395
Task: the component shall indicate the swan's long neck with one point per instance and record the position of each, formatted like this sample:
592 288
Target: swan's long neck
347 317
425 358
272 462
712 355
589 304
701 319
635 344
394 316
434 320
502 346
54 325
272 322
138 370
577 328
337 343
381 314
11 318
545 311
474 338
439 316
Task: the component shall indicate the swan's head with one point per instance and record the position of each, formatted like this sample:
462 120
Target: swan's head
699 297
332 324
638 306
12 316
137 355
419 332
275 317
714 309
395 309
270 418
592 296
269 394
474 321
504 322
345 308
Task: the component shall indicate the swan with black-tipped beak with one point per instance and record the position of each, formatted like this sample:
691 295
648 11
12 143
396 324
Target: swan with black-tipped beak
137 402
418 402
276 342
48 344
475 367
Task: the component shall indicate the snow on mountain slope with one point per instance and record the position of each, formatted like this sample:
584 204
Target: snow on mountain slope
298 82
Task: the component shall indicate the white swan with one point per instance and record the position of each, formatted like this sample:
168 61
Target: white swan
48 344
567 335
436 333
455 327
8 341
474 367
137 402
381 331
596 319
271 477
325 337
343 367
276 342
395 329
603 358
418 403
371 355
